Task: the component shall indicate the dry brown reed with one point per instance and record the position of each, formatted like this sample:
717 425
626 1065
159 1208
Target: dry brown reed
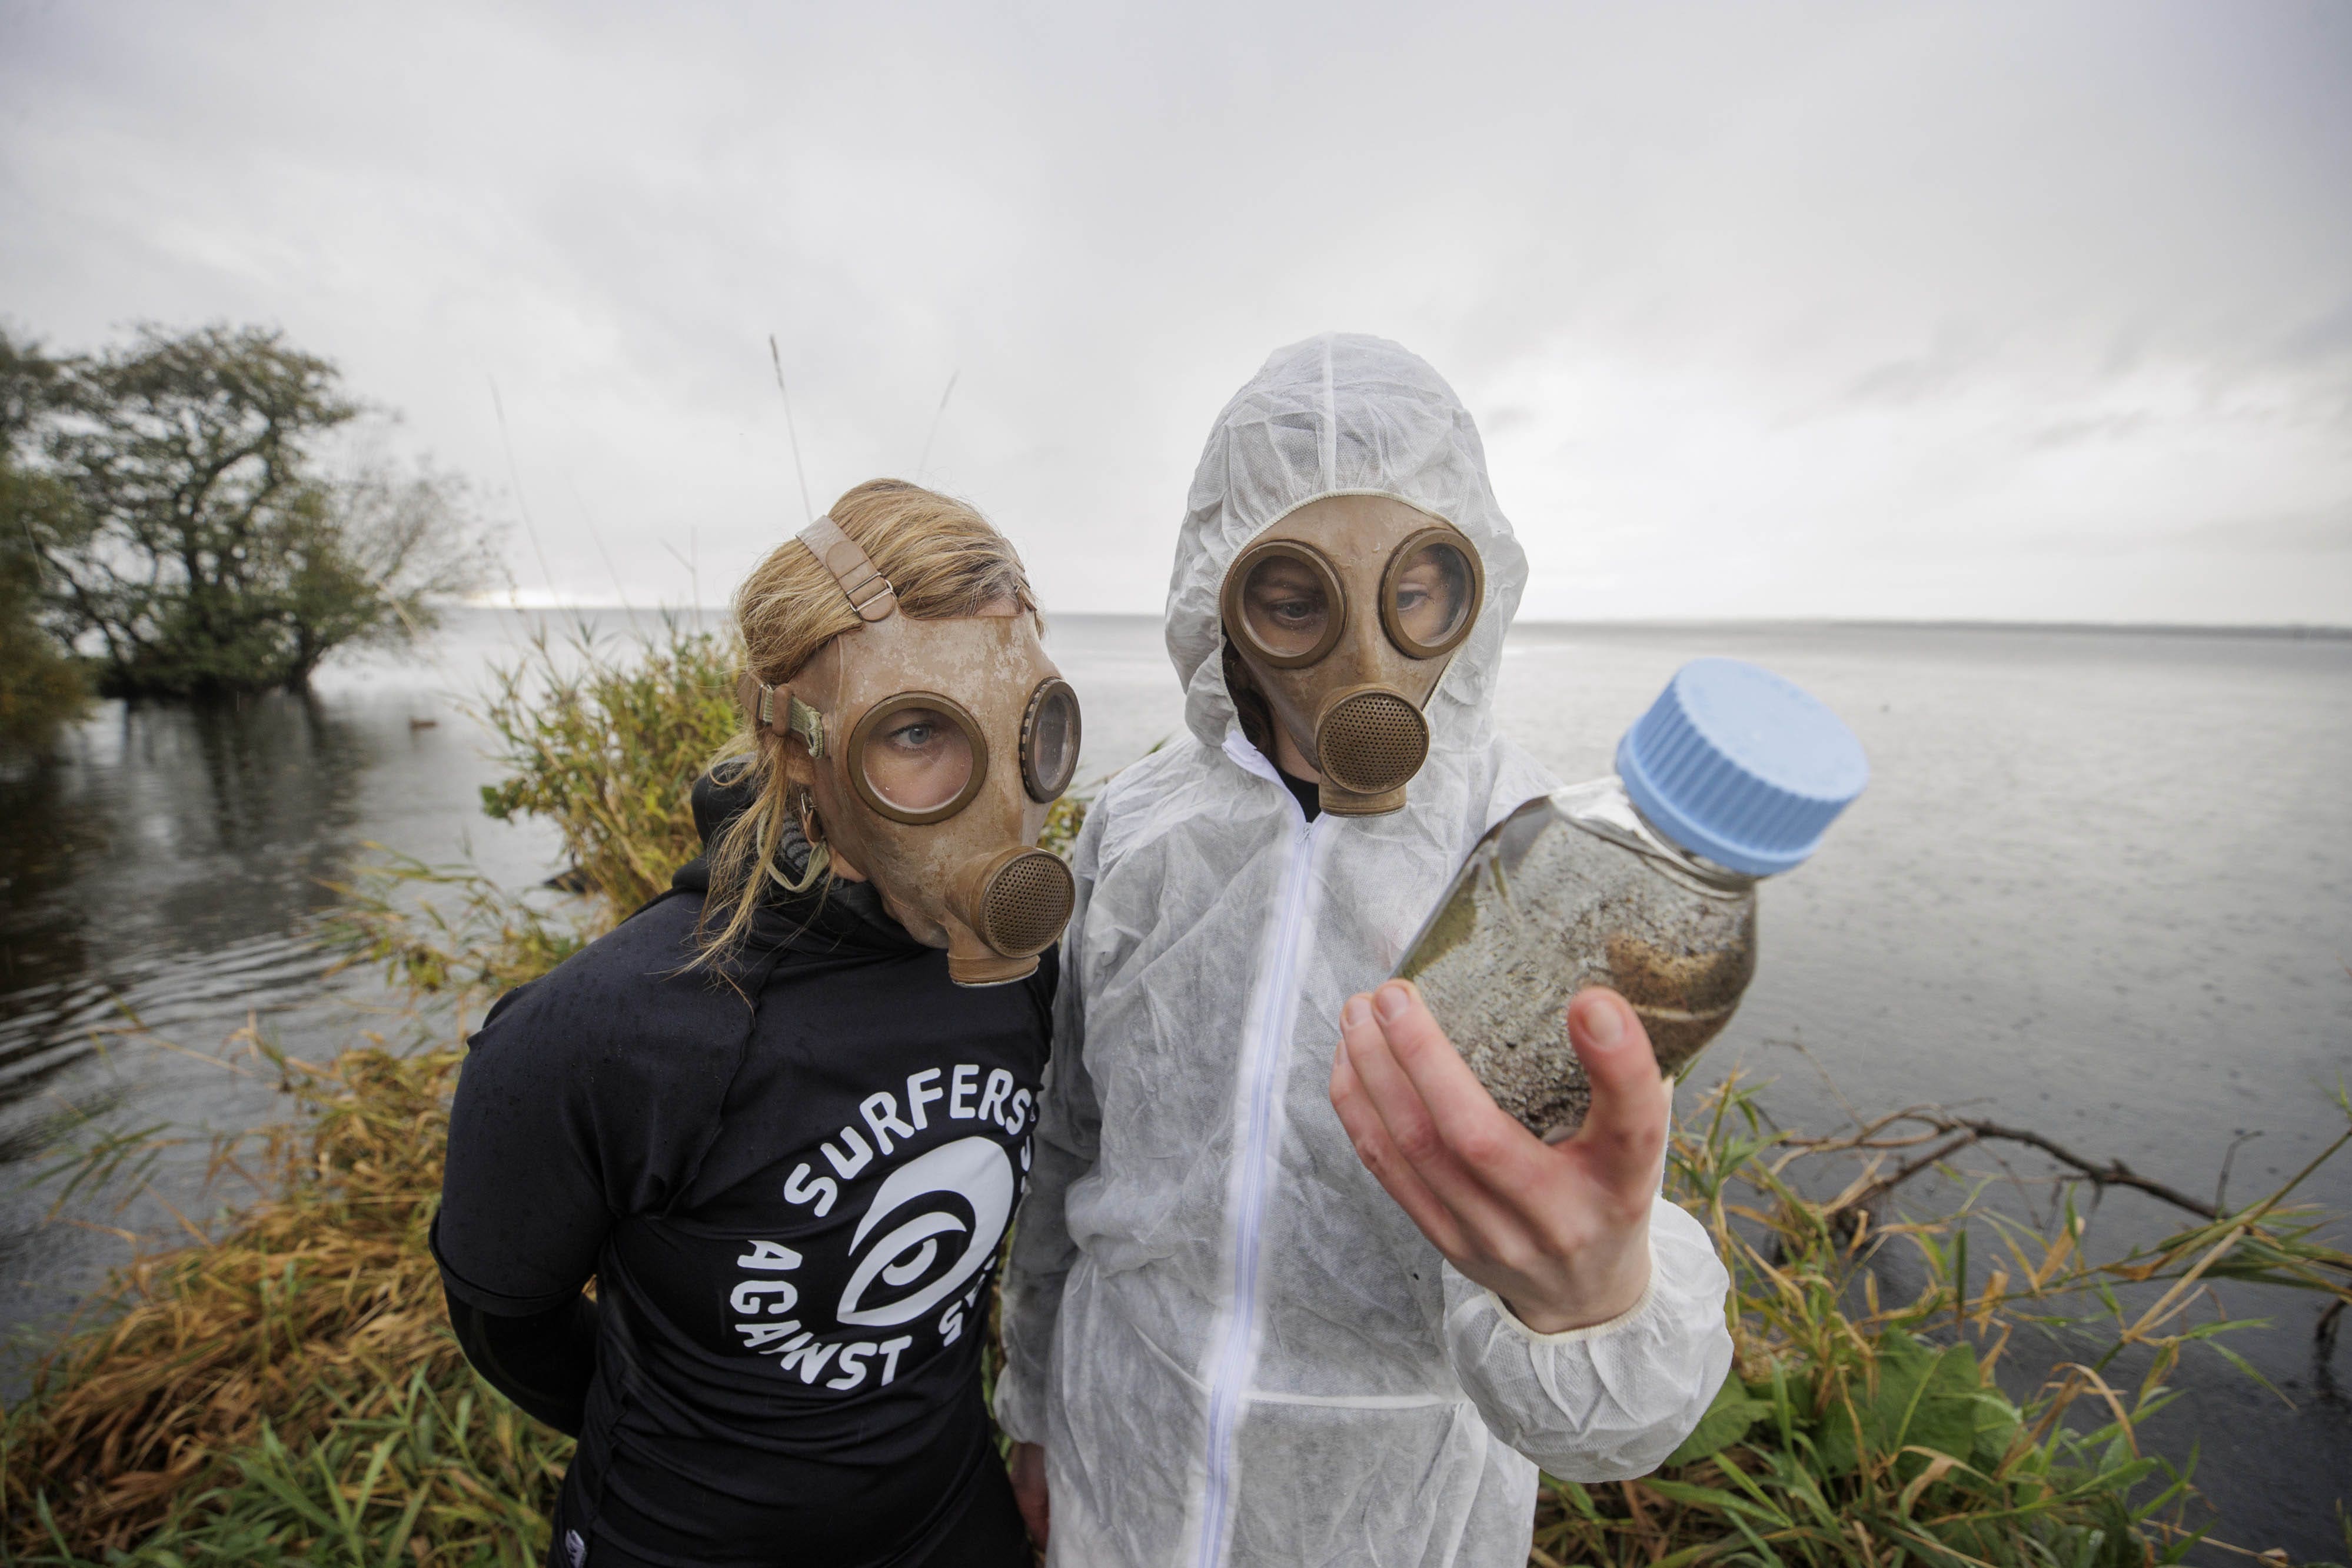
316 1307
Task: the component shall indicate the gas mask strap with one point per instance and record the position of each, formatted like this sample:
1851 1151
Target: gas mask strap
868 592
757 699
777 710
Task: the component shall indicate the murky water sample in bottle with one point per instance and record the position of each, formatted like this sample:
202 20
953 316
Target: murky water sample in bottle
1644 882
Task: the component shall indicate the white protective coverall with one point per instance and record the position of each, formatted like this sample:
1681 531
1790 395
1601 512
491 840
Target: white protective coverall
1233 1345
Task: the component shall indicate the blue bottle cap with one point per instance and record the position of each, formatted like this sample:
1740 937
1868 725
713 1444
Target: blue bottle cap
1737 764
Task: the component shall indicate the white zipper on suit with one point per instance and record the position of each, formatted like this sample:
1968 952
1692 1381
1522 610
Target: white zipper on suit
1265 1058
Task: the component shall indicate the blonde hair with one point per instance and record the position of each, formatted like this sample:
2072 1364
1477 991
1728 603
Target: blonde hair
943 561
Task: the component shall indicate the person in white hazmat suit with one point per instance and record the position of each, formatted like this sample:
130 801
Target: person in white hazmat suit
1226 1342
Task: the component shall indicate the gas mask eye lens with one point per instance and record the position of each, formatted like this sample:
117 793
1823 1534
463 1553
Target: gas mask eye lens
1287 607
1049 739
917 758
1429 596
1285 600
1430 593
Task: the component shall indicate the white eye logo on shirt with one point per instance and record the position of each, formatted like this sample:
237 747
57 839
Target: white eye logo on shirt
974 1169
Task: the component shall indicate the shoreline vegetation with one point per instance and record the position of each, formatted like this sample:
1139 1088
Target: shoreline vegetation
285 1390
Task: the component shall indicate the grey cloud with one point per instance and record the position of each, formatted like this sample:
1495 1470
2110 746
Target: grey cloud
2325 339
1910 381
1724 282
2092 428
2327 532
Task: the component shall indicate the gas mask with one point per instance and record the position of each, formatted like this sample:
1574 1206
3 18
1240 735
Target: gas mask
937 746
1346 613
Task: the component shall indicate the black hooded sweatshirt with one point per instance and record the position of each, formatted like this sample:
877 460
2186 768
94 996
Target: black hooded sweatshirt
790 1190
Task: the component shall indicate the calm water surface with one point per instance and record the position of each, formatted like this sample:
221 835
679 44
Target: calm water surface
2099 887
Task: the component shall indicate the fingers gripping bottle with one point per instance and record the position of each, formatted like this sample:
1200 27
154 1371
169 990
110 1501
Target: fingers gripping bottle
1644 882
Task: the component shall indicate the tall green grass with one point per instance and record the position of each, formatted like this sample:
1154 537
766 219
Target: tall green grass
287 1392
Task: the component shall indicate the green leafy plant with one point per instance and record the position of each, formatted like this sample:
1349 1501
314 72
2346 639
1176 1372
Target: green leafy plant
607 750
1855 1430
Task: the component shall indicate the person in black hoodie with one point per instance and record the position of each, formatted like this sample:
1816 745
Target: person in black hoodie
781 1115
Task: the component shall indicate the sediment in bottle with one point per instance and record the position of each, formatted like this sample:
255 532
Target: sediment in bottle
1544 907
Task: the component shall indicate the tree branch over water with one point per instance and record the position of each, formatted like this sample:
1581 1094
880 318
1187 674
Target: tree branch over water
1960 1132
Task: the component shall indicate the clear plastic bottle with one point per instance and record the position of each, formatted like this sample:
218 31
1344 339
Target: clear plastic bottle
1644 881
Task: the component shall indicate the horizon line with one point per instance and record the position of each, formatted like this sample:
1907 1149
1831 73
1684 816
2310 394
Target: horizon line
2289 629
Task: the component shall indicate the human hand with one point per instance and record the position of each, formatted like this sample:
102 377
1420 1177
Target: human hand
1559 1232
1029 1490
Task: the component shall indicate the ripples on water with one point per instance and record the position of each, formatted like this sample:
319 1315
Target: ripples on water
170 867
2099 886
165 868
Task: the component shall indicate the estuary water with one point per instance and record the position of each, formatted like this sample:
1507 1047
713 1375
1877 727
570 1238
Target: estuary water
2100 886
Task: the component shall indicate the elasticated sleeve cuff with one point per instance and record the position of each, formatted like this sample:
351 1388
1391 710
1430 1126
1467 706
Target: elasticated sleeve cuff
1589 1331
1608 1402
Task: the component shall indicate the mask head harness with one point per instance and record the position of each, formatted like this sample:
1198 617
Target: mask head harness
937 746
1346 613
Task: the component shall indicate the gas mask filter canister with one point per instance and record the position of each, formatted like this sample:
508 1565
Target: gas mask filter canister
937 745
1346 613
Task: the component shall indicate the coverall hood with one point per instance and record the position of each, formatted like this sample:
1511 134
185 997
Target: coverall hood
1336 414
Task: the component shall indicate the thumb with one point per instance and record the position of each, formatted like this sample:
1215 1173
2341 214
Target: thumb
1626 1126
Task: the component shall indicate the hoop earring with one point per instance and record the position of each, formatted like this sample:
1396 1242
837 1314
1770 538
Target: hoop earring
820 860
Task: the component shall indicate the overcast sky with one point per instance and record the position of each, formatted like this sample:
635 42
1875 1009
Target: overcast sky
2008 311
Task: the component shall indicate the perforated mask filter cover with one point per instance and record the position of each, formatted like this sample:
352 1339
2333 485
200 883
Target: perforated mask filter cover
1370 741
1024 903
